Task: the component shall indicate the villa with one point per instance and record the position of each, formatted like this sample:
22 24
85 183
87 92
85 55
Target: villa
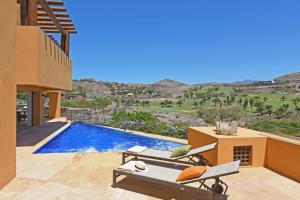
51 157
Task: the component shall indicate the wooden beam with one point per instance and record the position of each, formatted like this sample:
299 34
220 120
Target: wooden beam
24 11
57 31
51 24
46 7
54 28
47 19
55 3
54 9
32 13
42 14
65 43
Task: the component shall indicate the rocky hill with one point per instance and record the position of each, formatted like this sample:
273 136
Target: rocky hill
169 83
289 78
168 88
292 80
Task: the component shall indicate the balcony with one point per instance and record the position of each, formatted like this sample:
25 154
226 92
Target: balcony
40 61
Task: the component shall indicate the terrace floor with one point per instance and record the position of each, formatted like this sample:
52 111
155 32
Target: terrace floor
89 176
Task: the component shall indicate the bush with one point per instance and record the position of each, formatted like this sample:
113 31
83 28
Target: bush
290 127
146 122
223 114
94 104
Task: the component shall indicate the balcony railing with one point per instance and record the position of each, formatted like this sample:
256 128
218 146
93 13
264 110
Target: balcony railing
40 61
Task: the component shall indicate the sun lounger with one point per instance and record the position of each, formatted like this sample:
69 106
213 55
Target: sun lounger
194 156
166 173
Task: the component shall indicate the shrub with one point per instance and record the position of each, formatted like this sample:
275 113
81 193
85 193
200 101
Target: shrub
223 114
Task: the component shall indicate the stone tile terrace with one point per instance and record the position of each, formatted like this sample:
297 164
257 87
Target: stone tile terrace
89 176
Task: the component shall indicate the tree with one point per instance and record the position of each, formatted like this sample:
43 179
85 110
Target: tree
240 101
162 104
283 98
148 103
260 107
295 102
179 103
82 90
195 104
216 100
286 106
137 103
265 99
245 104
201 102
269 109
280 112
220 103
251 101
228 102
232 99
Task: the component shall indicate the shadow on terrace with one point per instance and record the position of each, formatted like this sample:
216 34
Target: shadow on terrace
33 135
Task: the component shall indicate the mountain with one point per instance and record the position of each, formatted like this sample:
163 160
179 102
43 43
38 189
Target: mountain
169 83
289 78
245 82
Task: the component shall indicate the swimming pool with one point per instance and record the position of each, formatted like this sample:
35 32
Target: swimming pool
82 137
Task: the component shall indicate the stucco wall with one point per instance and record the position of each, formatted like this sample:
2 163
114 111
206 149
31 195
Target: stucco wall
225 149
40 62
8 20
196 140
283 156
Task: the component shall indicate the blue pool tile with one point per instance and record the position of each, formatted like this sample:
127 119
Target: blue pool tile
82 137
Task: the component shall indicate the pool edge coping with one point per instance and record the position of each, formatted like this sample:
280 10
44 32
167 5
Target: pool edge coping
50 137
152 135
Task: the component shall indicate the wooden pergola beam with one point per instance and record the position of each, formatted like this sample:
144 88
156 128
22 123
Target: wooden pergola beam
24 11
55 28
57 31
54 9
44 14
51 24
47 19
49 12
55 3
32 13
65 43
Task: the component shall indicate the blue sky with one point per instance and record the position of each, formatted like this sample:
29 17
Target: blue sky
192 41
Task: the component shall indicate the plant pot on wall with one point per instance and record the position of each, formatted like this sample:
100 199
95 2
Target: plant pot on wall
227 128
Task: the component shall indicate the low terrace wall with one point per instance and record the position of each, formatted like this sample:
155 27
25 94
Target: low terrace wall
283 156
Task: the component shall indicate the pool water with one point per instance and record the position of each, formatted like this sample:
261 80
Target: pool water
82 137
